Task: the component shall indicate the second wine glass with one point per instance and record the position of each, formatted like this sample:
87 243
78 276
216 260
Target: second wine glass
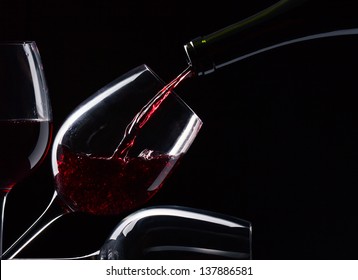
25 115
115 151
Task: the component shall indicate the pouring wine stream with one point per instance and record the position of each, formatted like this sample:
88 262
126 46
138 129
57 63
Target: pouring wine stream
145 114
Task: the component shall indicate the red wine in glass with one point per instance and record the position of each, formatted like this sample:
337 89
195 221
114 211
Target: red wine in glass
18 157
114 185
111 186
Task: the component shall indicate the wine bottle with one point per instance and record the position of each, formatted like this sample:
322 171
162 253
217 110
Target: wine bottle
287 21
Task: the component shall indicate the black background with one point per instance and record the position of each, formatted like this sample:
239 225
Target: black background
279 141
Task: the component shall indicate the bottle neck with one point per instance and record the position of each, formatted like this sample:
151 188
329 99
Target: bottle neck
284 21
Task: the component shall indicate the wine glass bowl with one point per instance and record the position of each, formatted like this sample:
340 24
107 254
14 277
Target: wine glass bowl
25 115
93 174
25 111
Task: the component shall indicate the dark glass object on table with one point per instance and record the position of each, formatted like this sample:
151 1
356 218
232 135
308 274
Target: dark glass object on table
177 232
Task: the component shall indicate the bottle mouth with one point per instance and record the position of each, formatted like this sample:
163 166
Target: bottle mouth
189 49
198 58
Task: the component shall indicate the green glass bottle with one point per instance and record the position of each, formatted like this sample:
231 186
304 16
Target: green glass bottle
285 22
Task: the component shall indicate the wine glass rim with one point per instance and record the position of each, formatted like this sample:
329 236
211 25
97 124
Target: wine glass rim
17 42
154 74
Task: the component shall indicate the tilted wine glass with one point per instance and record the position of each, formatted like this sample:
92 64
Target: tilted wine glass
177 232
115 151
25 116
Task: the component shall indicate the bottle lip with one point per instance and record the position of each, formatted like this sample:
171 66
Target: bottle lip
197 59
189 49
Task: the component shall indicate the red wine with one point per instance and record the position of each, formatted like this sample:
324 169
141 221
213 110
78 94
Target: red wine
23 145
133 128
114 185
110 186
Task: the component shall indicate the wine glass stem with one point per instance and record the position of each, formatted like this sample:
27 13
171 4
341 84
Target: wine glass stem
53 211
3 202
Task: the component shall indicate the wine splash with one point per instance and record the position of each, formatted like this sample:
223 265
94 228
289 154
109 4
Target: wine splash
119 183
